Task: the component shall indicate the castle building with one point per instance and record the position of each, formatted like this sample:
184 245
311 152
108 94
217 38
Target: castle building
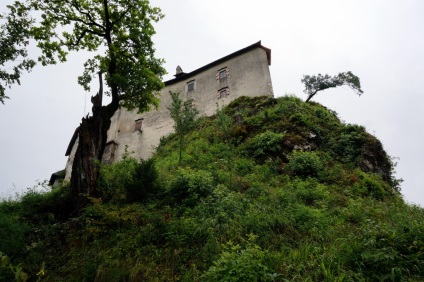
242 73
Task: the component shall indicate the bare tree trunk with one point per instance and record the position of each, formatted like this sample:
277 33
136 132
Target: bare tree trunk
310 96
91 145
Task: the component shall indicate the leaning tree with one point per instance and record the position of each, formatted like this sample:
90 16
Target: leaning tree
315 83
119 33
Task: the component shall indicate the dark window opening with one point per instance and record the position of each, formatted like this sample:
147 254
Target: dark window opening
190 86
223 92
109 153
222 73
138 125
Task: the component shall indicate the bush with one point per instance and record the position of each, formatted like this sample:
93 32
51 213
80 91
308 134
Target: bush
223 122
115 178
144 184
243 166
347 146
371 185
299 119
238 133
240 264
128 181
304 164
189 186
266 143
48 204
12 229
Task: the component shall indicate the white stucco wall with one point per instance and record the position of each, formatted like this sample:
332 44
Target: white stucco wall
70 161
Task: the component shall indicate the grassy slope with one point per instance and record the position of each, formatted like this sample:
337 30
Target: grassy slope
268 190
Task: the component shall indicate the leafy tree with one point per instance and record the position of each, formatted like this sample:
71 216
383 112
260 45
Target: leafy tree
119 33
183 113
14 34
223 121
320 82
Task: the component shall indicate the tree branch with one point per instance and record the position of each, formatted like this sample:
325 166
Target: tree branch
121 16
92 22
84 32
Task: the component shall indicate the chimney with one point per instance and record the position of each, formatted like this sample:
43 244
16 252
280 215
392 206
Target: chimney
179 72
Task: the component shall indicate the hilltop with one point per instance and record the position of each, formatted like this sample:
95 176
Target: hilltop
269 189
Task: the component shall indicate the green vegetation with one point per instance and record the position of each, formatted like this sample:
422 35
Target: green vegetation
118 36
287 193
13 44
315 83
184 115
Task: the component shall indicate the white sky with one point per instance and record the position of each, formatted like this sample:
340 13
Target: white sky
381 41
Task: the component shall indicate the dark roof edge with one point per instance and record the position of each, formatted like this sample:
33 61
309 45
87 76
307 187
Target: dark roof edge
230 56
58 174
71 143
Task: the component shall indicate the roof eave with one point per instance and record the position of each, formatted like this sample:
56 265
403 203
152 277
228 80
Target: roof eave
232 55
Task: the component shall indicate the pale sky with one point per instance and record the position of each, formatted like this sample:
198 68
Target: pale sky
381 41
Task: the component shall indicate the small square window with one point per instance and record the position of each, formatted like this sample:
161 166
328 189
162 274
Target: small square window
190 86
223 92
109 153
222 73
138 125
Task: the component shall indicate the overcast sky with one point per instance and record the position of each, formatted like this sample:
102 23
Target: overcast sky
381 41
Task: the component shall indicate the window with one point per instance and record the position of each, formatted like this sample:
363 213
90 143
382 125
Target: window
223 92
109 153
138 125
190 85
222 73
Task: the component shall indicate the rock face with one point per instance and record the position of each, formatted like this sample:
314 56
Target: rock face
242 73
374 159
311 127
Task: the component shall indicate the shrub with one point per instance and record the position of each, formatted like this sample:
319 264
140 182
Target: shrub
238 263
243 166
223 122
371 185
128 180
189 186
48 204
309 191
12 229
265 143
238 133
115 178
299 119
304 164
347 146
144 183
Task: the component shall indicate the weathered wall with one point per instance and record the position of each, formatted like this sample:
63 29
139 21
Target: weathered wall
248 76
70 161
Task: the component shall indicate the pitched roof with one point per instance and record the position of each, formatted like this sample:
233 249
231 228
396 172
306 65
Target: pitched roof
183 76
57 175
